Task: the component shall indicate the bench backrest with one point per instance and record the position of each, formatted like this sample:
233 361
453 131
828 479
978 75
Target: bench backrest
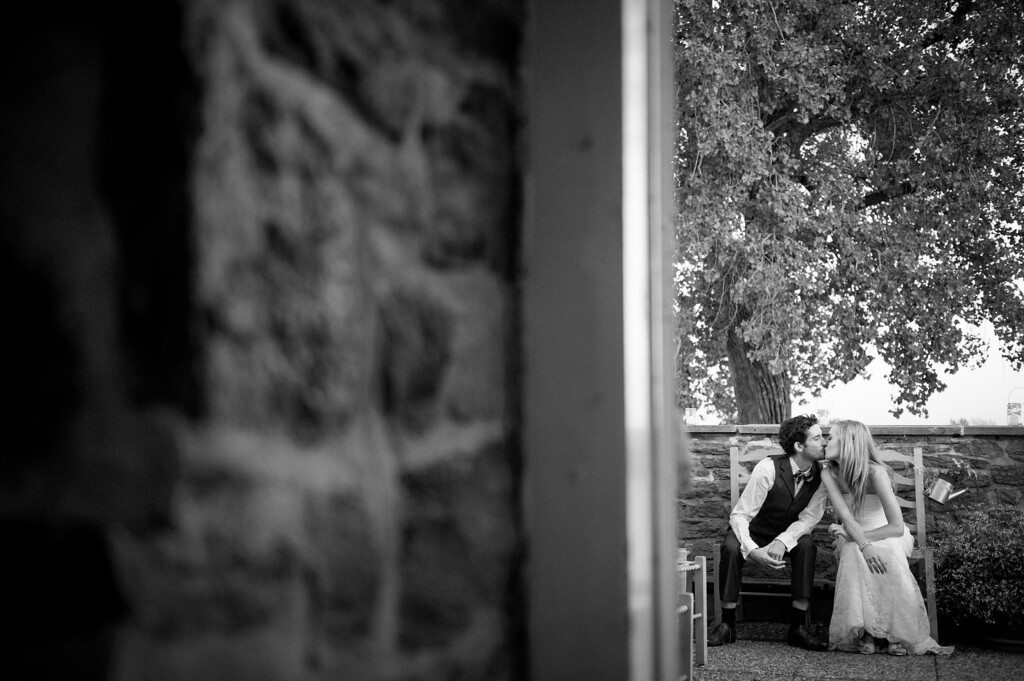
740 465
909 472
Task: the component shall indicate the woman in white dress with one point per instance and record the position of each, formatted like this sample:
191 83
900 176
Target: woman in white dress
878 605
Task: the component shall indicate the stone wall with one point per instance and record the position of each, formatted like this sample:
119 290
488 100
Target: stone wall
996 453
261 262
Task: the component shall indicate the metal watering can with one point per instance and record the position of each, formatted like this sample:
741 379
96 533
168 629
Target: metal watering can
942 490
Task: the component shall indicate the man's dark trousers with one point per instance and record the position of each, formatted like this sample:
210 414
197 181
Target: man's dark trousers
803 557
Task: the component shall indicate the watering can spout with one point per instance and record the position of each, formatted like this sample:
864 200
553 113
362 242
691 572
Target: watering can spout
942 490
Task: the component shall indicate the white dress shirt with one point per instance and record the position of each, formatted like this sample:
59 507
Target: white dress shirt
762 479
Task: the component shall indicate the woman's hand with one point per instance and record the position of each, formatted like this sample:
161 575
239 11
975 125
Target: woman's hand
837 530
873 557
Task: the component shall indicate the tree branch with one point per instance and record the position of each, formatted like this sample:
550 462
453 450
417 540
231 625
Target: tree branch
887 194
945 31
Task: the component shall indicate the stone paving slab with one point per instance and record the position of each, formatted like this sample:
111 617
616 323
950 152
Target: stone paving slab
879 666
738 675
971 663
761 654
764 657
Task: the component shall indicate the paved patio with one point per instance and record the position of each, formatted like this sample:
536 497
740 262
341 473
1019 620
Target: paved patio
762 654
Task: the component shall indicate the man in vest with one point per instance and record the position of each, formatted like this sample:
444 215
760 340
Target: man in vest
774 516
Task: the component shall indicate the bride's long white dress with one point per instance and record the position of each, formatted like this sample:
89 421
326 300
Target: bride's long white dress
888 605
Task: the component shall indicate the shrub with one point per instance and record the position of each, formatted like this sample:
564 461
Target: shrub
979 571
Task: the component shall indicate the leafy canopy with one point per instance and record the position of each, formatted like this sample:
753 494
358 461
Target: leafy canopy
850 179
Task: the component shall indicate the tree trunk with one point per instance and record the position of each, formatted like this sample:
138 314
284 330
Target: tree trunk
761 396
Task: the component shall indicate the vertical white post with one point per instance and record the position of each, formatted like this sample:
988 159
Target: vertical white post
648 248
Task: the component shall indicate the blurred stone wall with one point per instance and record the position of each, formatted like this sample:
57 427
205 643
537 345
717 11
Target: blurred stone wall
995 453
261 262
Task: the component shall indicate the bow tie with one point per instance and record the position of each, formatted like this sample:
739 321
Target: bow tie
804 476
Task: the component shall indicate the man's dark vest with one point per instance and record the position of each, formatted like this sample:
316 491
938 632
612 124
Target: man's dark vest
780 508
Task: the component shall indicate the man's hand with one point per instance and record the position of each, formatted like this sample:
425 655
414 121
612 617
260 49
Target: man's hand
770 556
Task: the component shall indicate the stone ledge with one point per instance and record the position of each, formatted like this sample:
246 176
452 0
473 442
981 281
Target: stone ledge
954 431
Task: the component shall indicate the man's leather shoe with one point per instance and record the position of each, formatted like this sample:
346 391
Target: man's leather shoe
803 638
722 633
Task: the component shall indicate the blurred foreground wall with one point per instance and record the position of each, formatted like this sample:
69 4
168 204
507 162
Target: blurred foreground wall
259 266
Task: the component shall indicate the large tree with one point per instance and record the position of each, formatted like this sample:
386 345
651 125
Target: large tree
851 183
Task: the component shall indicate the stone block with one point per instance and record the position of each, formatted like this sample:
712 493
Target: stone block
940 461
1015 447
715 463
701 490
1009 497
692 528
716 447
981 448
344 573
697 469
475 384
488 32
417 352
1008 475
285 339
440 591
458 540
981 481
702 509
233 560
929 450
470 168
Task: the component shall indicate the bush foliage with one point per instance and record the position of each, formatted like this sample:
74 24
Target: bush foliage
980 568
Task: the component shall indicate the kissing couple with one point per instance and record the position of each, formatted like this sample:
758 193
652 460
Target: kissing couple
878 605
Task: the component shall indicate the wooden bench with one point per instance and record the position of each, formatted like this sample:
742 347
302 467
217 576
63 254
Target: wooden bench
909 477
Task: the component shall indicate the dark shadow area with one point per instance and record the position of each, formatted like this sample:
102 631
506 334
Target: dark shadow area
95 274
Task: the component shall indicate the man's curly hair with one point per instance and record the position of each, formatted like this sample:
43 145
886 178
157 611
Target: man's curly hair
795 430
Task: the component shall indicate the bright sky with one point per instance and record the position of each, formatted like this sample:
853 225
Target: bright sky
979 395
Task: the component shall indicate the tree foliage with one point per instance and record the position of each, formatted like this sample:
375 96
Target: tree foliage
851 182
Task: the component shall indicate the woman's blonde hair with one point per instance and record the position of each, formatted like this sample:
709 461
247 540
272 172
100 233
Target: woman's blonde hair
857 452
